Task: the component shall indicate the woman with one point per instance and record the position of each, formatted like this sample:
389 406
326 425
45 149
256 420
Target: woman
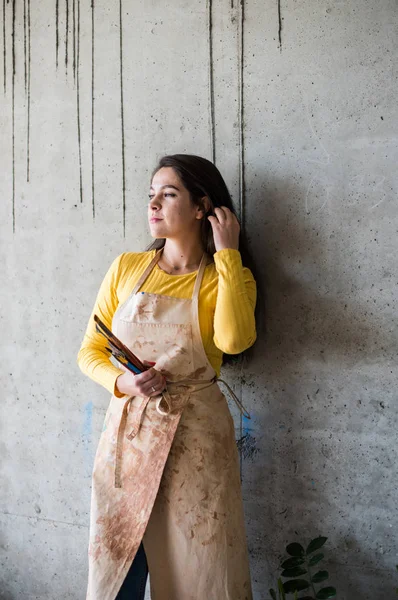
166 489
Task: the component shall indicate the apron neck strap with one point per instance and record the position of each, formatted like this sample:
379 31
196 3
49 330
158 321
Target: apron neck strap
155 260
147 271
199 277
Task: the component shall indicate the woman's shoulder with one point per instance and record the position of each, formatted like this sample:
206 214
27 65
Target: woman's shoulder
133 261
126 264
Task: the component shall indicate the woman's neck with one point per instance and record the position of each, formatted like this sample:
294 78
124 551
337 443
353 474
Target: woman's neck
180 256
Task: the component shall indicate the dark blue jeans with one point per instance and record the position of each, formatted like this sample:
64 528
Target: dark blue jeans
133 587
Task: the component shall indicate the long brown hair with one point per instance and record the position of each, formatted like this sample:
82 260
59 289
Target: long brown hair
202 178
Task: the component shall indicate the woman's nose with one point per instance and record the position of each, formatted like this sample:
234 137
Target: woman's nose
154 203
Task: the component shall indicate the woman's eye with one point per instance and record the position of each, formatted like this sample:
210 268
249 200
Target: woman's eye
150 196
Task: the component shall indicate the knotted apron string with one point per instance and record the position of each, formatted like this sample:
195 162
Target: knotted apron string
239 404
209 382
188 385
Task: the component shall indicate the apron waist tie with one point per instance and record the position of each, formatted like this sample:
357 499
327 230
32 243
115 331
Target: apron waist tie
188 385
193 383
238 403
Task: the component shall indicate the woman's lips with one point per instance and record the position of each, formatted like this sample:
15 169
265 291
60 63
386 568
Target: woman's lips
154 220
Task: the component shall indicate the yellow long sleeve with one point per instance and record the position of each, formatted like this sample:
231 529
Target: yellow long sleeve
234 324
227 300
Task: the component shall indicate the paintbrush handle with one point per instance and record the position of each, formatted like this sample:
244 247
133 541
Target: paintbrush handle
102 328
131 357
123 360
117 352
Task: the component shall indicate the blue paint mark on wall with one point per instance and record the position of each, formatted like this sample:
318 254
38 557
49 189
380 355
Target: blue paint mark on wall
246 425
88 420
247 444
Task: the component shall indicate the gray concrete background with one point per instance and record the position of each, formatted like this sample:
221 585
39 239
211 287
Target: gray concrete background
305 134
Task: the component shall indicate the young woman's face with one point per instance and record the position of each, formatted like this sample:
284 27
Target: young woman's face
171 213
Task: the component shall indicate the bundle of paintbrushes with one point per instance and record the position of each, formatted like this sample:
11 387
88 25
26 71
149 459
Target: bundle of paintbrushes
119 350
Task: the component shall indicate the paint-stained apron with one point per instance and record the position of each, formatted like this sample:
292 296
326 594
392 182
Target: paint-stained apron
166 471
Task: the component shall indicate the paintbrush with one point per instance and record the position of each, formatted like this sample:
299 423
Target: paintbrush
121 357
115 342
117 346
123 360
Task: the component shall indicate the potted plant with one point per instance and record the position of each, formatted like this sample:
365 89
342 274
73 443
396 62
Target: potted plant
302 562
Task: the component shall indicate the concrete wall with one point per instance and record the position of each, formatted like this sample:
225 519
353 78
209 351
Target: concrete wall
305 131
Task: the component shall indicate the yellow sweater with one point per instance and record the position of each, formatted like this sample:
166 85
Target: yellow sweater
227 299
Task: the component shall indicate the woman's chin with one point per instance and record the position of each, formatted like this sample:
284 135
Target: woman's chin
156 232
157 236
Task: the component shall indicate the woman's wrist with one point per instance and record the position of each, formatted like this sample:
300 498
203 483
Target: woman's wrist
228 261
118 392
227 251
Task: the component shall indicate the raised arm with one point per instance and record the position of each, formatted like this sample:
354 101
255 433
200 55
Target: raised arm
234 322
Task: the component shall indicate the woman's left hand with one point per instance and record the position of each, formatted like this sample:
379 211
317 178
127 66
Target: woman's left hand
226 229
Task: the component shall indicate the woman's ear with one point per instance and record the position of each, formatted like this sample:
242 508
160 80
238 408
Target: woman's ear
204 208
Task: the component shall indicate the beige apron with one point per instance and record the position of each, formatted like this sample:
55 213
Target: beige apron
166 471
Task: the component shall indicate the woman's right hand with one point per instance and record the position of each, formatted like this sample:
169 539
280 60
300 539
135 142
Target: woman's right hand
148 383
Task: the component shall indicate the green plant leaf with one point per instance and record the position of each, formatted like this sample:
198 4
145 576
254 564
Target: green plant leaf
295 561
295 584
327 592
320 576
315 544
294 572
306 598
316 559
281 590
273 594
295 549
